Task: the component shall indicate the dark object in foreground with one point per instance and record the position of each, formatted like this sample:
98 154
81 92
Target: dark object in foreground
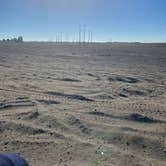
12 159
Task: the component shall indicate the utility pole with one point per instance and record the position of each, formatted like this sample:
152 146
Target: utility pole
79 35
84 34
56 38
89 36
61 37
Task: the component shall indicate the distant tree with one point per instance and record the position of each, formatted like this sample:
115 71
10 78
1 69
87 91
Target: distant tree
20 39
17 40
14 39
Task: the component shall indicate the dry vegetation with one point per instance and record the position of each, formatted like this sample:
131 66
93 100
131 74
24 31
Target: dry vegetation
84 105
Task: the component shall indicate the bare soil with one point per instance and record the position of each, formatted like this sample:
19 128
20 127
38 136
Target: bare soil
84 104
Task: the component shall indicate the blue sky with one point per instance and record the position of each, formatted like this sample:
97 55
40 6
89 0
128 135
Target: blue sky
117 20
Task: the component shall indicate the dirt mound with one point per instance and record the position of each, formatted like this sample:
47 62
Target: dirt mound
94 75
104 97
26 129
69 96
122 95
16 104
132 117
140 118
22 128
97 113
69 80
48 102
73 121
124 79
32 115
51 122
131 92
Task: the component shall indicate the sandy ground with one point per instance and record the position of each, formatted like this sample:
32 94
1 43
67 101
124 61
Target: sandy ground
84 105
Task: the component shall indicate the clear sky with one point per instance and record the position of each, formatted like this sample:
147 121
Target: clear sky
117 20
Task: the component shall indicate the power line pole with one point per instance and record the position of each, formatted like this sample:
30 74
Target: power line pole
79 35
61 37
88 36
91 37
84 34
56 38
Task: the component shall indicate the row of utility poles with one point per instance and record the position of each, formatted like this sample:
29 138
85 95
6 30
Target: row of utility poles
84 35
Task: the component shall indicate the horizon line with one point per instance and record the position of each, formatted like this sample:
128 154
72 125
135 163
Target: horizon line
94 41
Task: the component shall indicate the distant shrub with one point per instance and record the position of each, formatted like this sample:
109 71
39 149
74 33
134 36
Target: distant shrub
16 40
20 39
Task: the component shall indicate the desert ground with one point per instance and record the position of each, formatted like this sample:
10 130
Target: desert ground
72 104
